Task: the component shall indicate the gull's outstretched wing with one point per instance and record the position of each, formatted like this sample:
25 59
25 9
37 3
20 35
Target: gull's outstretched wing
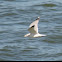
33 28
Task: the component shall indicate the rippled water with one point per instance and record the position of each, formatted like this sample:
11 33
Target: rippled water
16 16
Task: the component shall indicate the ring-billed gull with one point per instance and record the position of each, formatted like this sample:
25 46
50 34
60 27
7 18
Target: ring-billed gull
33 29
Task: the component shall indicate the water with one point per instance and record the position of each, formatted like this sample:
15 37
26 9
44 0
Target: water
16 16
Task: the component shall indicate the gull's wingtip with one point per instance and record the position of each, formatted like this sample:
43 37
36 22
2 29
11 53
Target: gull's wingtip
38 18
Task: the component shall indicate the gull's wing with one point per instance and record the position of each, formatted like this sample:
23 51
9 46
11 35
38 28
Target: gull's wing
33 28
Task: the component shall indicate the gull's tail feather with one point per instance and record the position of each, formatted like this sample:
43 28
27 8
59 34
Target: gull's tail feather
43 35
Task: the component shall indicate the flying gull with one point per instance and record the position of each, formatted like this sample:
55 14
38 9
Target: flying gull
33 29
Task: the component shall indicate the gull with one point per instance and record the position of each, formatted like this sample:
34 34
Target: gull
33 29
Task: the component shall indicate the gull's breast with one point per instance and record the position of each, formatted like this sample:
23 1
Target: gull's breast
35 35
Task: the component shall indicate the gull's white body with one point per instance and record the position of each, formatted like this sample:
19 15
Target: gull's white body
33 29
34 35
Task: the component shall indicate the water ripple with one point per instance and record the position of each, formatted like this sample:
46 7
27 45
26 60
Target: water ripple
15 18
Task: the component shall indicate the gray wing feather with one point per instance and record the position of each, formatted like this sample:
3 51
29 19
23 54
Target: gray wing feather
34 29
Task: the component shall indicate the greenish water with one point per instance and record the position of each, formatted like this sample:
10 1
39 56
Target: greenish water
15 18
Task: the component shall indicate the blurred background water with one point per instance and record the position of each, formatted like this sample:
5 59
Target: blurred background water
15 18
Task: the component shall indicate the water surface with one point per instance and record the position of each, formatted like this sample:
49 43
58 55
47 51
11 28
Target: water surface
15 18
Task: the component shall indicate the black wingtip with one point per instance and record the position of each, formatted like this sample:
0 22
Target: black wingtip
38 18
